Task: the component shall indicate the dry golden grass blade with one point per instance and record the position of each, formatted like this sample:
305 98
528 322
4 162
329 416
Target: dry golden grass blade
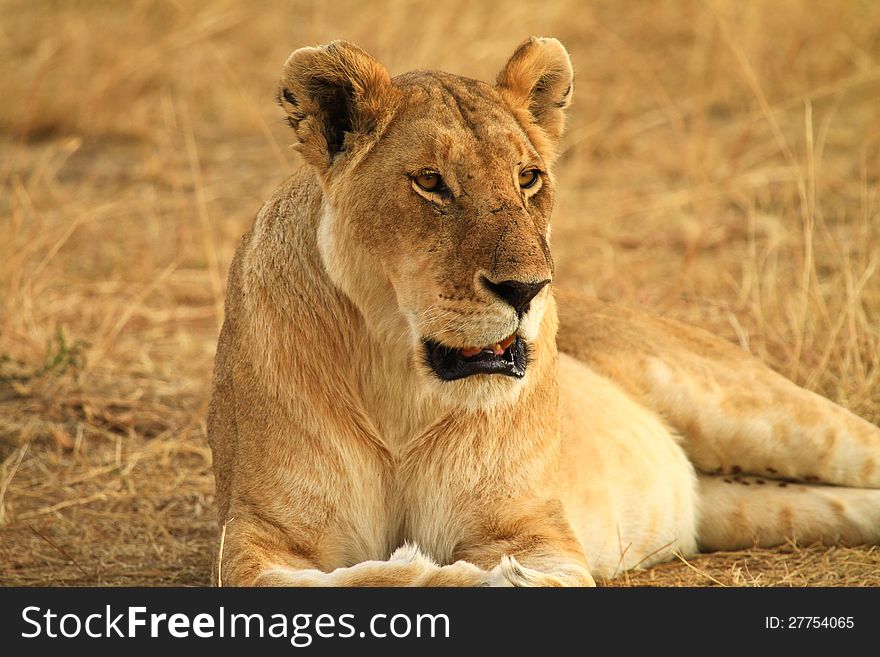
699 572
220 552
9 475
27 515
61 550
203 213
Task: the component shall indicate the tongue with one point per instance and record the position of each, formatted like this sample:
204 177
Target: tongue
498 348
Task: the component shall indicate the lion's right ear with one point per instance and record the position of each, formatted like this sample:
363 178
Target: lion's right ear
331 94
538 79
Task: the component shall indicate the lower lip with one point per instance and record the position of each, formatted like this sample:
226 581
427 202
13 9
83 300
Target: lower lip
449 364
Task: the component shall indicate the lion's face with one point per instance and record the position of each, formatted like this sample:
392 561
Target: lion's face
451 208
436 217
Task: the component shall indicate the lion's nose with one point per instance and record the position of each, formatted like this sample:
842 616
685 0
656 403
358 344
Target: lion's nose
516 293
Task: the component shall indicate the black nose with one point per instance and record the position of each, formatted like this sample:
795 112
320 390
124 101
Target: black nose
516 293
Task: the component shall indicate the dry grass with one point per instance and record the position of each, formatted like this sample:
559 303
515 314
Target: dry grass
721 167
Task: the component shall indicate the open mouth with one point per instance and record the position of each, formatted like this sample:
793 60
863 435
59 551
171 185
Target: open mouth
508 357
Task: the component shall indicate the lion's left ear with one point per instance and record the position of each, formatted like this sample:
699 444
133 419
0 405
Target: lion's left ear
539 79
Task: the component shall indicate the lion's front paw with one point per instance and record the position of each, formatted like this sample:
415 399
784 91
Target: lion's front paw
424 572
510 572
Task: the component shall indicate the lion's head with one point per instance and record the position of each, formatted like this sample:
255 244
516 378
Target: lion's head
437 198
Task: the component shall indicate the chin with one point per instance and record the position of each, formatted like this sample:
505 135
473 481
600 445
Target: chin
479 392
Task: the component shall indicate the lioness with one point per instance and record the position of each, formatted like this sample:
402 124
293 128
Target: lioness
393 404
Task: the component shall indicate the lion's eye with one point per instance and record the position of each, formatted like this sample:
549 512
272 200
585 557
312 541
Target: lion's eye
429 181
528 177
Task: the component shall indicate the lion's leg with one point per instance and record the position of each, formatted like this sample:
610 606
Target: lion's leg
761 423
538 549
743 512
735 414
255 557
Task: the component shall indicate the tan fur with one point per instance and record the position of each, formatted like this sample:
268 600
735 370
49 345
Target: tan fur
341 459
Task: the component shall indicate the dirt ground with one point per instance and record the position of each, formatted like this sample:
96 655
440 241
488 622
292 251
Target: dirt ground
721 167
